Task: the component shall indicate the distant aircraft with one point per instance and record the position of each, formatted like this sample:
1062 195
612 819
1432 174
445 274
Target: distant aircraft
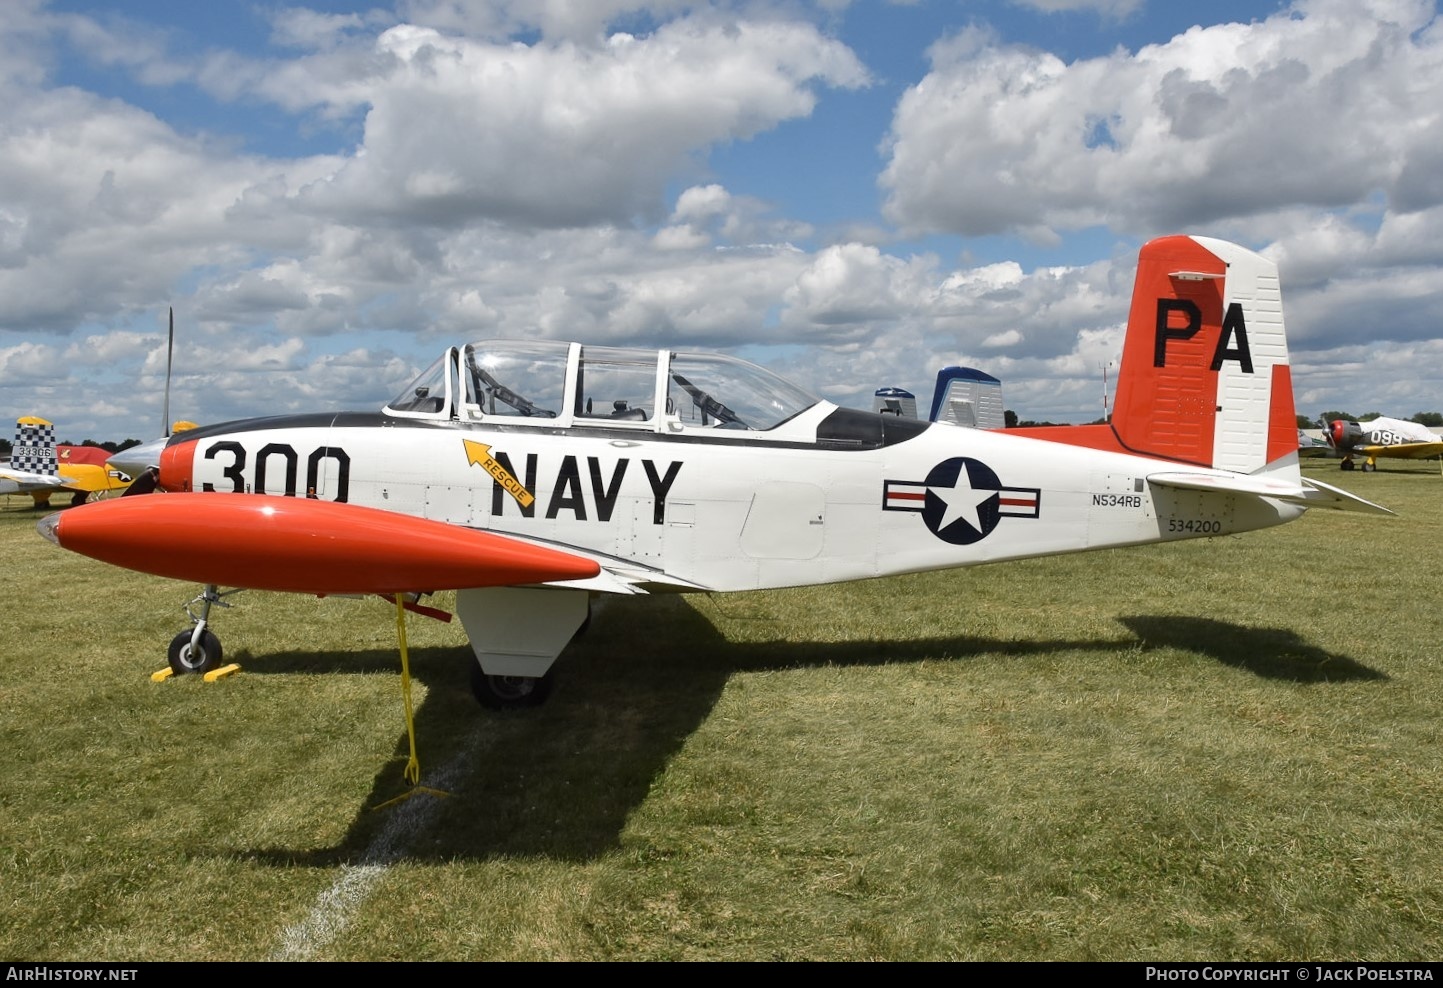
34 465
1314 445
90 473
39 467
1382 437
895 401
531 475
970 397
963 396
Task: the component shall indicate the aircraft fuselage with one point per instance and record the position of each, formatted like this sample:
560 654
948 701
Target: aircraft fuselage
723 513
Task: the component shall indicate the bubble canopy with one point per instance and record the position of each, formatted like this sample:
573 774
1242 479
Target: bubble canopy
545 382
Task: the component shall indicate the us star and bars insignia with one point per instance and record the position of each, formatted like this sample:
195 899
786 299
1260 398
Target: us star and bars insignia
961 500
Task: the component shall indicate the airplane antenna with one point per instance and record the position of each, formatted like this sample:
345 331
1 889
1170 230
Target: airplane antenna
169 351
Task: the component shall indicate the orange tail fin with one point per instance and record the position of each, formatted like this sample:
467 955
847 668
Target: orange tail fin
1204 376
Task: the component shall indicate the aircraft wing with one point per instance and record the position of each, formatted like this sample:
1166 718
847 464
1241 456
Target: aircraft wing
307 546
1405 451
1310 493
619 576
627 580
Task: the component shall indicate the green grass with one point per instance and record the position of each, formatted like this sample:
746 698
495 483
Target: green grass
1225 749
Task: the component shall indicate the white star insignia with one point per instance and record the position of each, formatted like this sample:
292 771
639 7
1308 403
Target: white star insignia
962 503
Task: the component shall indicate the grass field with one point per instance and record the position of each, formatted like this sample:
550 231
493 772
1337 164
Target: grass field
1225 750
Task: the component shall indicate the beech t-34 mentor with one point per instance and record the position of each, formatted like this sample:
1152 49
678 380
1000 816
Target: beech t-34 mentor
529 476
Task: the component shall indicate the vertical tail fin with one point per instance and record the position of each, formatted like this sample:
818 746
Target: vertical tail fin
967 396
34 449
1205 376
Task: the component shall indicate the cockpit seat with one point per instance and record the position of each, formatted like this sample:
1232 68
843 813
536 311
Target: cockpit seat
619 410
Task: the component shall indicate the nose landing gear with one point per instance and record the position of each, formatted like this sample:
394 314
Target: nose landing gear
198 649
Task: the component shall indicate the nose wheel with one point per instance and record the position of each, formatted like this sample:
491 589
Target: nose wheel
186 654
198 650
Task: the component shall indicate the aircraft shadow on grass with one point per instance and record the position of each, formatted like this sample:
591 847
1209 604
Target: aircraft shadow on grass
561 780
1272 653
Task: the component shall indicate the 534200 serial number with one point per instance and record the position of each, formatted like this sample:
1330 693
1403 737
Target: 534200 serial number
1196 526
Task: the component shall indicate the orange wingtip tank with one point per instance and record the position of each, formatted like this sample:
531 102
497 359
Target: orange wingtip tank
269 542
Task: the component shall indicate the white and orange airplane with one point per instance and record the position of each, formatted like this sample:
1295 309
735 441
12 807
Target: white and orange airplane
530 476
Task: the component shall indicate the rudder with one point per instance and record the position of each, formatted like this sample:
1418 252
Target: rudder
34 449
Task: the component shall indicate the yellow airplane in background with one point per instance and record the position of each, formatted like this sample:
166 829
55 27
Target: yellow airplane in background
40 467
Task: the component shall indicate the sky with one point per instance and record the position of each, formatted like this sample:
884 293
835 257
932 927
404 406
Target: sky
853 193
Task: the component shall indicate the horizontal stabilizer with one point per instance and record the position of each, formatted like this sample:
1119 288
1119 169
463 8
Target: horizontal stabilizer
1321 495
28 479
1309 493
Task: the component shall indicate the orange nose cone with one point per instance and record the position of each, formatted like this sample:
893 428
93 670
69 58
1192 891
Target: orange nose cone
267 542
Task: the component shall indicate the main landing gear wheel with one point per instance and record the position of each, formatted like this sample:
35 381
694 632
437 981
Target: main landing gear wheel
185 657
509 692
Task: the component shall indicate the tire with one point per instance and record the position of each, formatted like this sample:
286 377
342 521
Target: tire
509 692
185 660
